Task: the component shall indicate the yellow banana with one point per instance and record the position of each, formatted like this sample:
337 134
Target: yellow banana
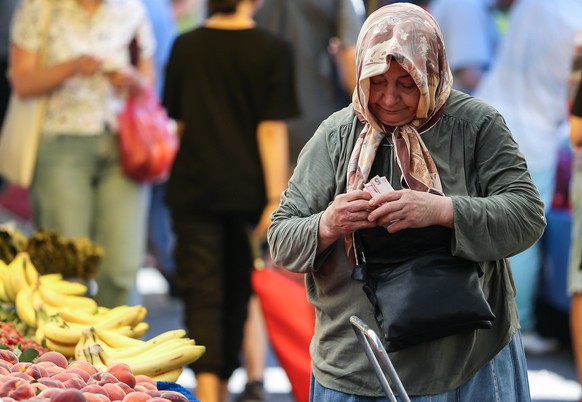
171 375
172 359
3 295
67 350
59 300
63 332
119 316
97 356
30 271
135 352
136 331
15 277
65 287
55 276
82 344
74 315
164 336
116 339
25 307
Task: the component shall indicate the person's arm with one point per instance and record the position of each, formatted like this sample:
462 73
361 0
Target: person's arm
346 64
28 79
576 131
274 153
576 119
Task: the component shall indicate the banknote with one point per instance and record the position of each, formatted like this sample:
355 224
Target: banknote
378 185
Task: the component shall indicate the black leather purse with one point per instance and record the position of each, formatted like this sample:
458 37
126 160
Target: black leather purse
423 297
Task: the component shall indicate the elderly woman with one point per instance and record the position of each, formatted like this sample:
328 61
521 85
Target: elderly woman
454 167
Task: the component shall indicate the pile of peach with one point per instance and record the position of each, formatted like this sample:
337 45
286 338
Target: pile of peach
52 378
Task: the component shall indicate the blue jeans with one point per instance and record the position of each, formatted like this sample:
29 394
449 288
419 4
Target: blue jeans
503 379
80 190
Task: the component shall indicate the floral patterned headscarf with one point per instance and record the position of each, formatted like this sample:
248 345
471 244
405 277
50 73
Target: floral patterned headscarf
409 35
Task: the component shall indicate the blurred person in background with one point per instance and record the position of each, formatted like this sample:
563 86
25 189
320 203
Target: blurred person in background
230 86
575 270
323 34
575 260
471 36
528 84
7 8
160 235
78 187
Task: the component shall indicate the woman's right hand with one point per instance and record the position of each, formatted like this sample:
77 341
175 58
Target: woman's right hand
346 214
86 65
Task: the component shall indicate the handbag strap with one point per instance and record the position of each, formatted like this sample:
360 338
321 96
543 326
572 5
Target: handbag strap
42 50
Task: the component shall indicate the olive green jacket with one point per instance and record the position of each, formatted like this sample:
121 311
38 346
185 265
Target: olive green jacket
497 213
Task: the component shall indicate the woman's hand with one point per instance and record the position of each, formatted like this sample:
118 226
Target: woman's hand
126 78
402 209
86 65
346 214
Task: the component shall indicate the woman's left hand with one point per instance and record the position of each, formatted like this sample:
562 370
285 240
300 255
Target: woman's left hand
126 78
403 209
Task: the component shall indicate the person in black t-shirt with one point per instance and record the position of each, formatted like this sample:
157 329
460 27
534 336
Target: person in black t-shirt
230 86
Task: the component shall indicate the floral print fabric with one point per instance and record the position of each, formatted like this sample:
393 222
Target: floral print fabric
83 105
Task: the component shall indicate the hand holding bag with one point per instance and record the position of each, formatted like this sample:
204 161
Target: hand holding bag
428 295
21 128
147 143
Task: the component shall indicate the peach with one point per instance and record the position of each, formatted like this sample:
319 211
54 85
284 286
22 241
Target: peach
8 356
82 373
20 374
145 386
64 375
54 369
95 389
5 367
48 393
158 399
153 393
50 382
68 395
144 378
54 357
123 373
83 365
126 388
116 393
108 378
174 396
45 364
74 382
23 391
10 385
96 397
136 397
31 369
38 387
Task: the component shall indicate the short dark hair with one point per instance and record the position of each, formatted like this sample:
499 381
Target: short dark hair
222 6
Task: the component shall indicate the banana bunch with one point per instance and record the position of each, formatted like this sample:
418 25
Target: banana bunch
20 272
47 295
161 357
64 331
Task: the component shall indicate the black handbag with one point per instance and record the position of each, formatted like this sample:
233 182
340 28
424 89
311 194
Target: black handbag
422 297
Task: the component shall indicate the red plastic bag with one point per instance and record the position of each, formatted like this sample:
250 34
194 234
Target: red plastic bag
147 144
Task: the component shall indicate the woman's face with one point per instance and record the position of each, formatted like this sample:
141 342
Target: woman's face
394 96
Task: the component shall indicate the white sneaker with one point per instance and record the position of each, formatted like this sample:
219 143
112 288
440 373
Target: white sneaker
535 344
